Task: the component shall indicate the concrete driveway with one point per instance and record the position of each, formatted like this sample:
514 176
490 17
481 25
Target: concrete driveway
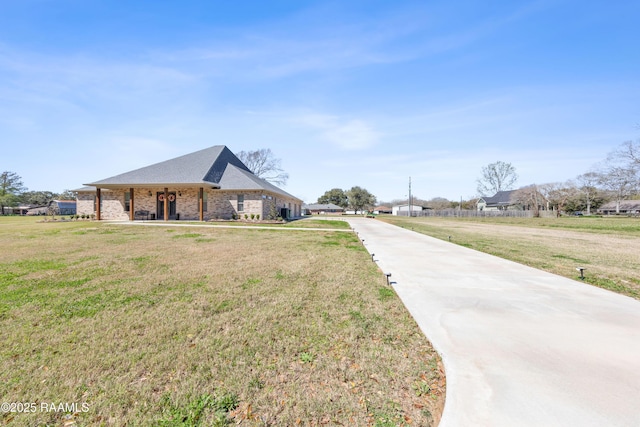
521 347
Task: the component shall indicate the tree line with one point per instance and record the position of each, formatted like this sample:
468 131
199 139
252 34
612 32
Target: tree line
616 178
356 198
14 193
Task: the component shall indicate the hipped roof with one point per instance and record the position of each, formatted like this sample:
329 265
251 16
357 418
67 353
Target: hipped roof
216 167
323 206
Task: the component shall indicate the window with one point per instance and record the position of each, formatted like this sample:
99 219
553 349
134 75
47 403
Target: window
240 202
127 201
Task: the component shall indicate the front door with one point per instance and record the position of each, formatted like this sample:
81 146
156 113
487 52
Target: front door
160 205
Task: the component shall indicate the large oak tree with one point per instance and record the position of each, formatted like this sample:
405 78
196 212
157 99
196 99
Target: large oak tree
498 176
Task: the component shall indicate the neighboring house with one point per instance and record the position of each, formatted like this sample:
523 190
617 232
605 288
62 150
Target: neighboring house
502 200
627 207
404 209
58 207
382 210
17 210
207 184
323 209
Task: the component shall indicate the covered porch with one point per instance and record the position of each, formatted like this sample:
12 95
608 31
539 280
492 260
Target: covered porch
151 203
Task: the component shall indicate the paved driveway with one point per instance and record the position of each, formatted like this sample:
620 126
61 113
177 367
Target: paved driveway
521 347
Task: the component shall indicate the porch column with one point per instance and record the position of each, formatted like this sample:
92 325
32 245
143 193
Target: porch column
98 200
131 205
201 203
166 204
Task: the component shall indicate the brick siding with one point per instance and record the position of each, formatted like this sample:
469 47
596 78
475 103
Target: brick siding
221 204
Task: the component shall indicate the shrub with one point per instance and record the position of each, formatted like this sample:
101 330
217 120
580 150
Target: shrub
258 217
246 216
234 216
253 216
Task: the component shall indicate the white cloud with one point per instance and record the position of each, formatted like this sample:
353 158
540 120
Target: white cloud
352 135
345 134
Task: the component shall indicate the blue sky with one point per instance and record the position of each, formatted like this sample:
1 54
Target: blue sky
346 93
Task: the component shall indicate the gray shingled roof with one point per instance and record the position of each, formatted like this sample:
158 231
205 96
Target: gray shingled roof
236 178
216 166
625 205
501 198
322 207
202 167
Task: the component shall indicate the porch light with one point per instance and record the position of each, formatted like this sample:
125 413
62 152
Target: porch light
180 193
150 193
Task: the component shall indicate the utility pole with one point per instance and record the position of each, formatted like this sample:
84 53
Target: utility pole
410 197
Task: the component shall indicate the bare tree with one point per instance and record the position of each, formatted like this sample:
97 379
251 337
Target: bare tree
530 198
440 203
621 181
558 194
620 173
262 163
496 177
588 182
628 152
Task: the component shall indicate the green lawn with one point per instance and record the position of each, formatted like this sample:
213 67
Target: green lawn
205 326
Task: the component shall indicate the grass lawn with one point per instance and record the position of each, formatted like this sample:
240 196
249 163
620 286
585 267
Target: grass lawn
607 247
205 326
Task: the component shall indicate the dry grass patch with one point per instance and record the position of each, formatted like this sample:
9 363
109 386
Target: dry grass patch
607 247
162 326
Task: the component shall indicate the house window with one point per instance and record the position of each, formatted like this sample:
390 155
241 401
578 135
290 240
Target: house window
127 201
240 202
204 201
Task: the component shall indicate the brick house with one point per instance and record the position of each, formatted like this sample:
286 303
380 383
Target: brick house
207 184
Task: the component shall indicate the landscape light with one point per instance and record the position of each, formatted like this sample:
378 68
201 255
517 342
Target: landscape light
388 275
372 255
581 270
